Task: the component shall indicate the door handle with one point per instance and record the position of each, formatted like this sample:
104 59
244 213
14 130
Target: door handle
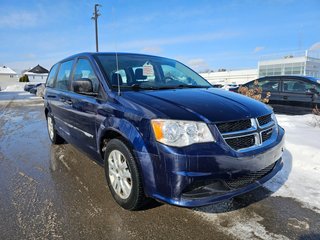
285 97
62 99
69 102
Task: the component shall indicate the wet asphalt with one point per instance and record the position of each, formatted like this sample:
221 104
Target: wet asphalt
56 192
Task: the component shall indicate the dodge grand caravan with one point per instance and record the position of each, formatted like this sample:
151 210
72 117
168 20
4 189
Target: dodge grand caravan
160 130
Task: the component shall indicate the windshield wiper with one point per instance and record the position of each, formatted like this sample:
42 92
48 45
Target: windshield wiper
187 86
138 87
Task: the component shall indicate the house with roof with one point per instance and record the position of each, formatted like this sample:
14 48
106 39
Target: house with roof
7 77
38 74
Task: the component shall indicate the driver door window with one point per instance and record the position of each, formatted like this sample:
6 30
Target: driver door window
266 85
84 70
62 82
269 85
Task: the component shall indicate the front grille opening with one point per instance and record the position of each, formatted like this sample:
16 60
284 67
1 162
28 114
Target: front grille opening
198 184
234 126
264 119
266 134
243 134
249 178
204 188
241 142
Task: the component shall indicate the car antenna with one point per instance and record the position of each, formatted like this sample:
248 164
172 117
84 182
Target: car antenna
117 60
118 79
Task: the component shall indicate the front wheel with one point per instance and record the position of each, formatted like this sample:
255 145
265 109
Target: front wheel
123 177
52 132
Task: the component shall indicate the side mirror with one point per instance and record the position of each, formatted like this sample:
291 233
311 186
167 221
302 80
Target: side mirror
315 97
313 93
83 86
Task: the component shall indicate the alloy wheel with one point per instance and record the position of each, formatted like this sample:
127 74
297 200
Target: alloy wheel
119 174
50 127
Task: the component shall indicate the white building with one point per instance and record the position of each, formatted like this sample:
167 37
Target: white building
38 74
7 77
303 63
231 76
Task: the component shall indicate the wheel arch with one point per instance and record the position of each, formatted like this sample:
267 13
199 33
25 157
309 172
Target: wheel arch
136 145
109 134
46 111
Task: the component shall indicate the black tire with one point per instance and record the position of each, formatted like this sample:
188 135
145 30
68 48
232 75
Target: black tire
137 199
55 138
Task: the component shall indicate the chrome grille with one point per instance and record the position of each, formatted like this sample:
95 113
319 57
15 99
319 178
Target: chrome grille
264 119
241 142
234 126
244 134
266 134
249 178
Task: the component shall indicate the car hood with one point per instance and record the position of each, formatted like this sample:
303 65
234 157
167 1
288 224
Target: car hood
209 105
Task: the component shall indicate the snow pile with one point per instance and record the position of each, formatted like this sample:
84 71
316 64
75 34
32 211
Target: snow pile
14 88
302 162
16 93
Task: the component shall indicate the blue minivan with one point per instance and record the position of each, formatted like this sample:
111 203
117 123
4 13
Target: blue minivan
160 130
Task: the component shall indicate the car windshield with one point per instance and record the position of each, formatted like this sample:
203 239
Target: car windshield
134 72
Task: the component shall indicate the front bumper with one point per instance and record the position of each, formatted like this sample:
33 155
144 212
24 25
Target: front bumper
217 191
190 179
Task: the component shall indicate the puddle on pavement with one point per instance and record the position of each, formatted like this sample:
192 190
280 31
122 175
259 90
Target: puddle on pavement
58 192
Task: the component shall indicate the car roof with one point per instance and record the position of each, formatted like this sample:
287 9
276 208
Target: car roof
91 54
313 79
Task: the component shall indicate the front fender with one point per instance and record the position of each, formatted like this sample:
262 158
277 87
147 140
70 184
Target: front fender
139 144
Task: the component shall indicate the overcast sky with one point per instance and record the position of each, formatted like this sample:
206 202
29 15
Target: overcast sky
204 34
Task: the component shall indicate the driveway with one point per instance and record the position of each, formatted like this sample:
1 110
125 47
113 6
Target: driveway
52 192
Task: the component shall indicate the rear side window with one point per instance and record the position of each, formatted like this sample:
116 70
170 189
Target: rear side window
51 76
63 77
296 86
85 70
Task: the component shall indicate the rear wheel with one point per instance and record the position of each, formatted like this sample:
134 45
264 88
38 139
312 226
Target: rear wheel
52 132
123 177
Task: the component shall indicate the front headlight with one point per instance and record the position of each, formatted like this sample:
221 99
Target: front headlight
273 117
180 133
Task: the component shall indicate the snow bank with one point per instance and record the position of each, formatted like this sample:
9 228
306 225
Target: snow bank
302 162
14 88
17 94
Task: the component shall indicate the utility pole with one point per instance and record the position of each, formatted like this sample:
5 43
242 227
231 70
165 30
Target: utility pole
96 14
